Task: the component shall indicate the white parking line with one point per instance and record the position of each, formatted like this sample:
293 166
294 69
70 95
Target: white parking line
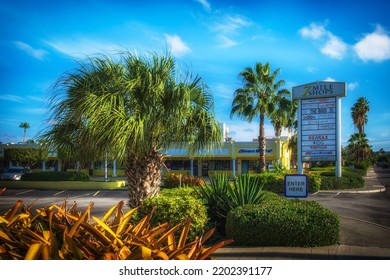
59 192
337 193
25 192
96 193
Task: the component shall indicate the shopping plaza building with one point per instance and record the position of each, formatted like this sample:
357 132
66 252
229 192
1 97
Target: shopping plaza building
230 157
233 158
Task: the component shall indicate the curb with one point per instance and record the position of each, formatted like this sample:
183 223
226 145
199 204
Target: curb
377 190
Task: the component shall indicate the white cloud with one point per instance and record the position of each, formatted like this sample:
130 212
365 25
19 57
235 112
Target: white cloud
206 5
225 42
374 46
36 98
33 111
352 86
227 26
80 48
313 31
11 97
177 46
230 24
329 79
245 131
36 53
331 45
334 47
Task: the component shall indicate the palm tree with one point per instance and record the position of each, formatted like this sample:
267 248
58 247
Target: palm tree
293 148
359 113
132 109
25 126
281 116
256 98
359 147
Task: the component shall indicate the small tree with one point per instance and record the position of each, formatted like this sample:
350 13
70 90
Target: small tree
26 156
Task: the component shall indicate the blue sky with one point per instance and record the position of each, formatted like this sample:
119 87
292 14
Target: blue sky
308 40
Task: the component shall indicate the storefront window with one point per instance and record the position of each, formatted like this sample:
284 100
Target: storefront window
253 165
178 164
216 165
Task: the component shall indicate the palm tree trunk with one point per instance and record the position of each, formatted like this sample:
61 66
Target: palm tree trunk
261 167
144 177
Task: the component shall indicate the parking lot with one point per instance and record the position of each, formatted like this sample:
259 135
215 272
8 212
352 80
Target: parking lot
103 200
364 217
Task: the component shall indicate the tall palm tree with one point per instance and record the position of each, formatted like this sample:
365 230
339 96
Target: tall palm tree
25 126
255 99
359 113
131 108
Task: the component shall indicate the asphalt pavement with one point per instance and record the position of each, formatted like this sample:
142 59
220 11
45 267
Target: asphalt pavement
364 219
364 226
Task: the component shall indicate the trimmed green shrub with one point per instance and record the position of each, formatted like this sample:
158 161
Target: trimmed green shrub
274 182
175 206
348 180
183 191
283 222
56 176
322 169
361 172
314 182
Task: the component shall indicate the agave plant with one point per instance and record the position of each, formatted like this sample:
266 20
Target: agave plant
279 168
62 233
224 194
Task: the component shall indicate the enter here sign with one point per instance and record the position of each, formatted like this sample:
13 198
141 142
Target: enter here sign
295 185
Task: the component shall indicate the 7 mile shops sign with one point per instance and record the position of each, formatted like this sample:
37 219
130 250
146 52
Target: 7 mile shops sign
319 121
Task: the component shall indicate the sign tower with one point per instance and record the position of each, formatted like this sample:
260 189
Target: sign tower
319 122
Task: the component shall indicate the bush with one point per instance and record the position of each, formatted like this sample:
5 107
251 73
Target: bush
274 182
283 222
314 182
223 195
63 233
359 171
175 206
183 191
177 180
56 176
348 180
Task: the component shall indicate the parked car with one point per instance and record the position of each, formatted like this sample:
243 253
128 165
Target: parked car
14 173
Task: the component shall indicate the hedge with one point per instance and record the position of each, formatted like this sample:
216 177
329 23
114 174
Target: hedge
275 182
283 223
55 176
348 180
